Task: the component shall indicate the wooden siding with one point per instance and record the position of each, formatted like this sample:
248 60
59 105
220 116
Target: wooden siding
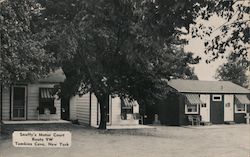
168 110
229 108
94 110
82 109
239 118
72 109
79 109
6 103
205 111
183 118
32 102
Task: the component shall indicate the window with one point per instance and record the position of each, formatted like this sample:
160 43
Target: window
126 108
191 109
46 100
203 105
240 108
125 111
227 105
217 97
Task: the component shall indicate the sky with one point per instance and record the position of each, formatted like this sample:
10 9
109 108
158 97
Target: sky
203 70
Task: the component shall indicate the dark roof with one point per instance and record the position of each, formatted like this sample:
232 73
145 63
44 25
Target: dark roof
198 86
54 77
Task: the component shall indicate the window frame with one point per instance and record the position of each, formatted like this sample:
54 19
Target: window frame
193 112
130 109
228 104
204 105
44 104
124 111
216 95
242 111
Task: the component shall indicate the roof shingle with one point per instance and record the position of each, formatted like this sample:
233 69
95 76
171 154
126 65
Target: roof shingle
198 86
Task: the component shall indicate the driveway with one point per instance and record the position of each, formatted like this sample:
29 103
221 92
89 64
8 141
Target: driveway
208 141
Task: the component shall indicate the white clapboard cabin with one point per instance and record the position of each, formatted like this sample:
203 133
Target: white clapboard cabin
86 110
32 101
215 102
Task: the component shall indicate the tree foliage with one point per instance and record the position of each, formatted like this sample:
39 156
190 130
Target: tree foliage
232 35
124 48
23 57
234 70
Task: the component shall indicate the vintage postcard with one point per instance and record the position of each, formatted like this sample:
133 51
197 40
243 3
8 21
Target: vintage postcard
124 78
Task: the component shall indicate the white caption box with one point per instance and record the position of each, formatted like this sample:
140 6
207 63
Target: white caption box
56 139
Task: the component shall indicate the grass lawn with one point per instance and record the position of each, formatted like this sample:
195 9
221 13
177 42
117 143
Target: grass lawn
208 141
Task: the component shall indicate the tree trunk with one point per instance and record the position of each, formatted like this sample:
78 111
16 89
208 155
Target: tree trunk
104 102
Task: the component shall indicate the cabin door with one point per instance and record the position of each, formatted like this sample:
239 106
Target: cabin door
217 109
65 102
18 102
108 116
228 108
205 108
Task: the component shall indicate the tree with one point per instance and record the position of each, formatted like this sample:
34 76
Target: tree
23 57
125 47
233 34
234 70
120 49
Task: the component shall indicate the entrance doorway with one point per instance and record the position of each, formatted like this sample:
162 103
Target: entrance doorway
217 109
19 103
65 102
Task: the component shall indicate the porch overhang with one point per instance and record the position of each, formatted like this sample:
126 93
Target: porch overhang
126 103
242 99
46 94
194 99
